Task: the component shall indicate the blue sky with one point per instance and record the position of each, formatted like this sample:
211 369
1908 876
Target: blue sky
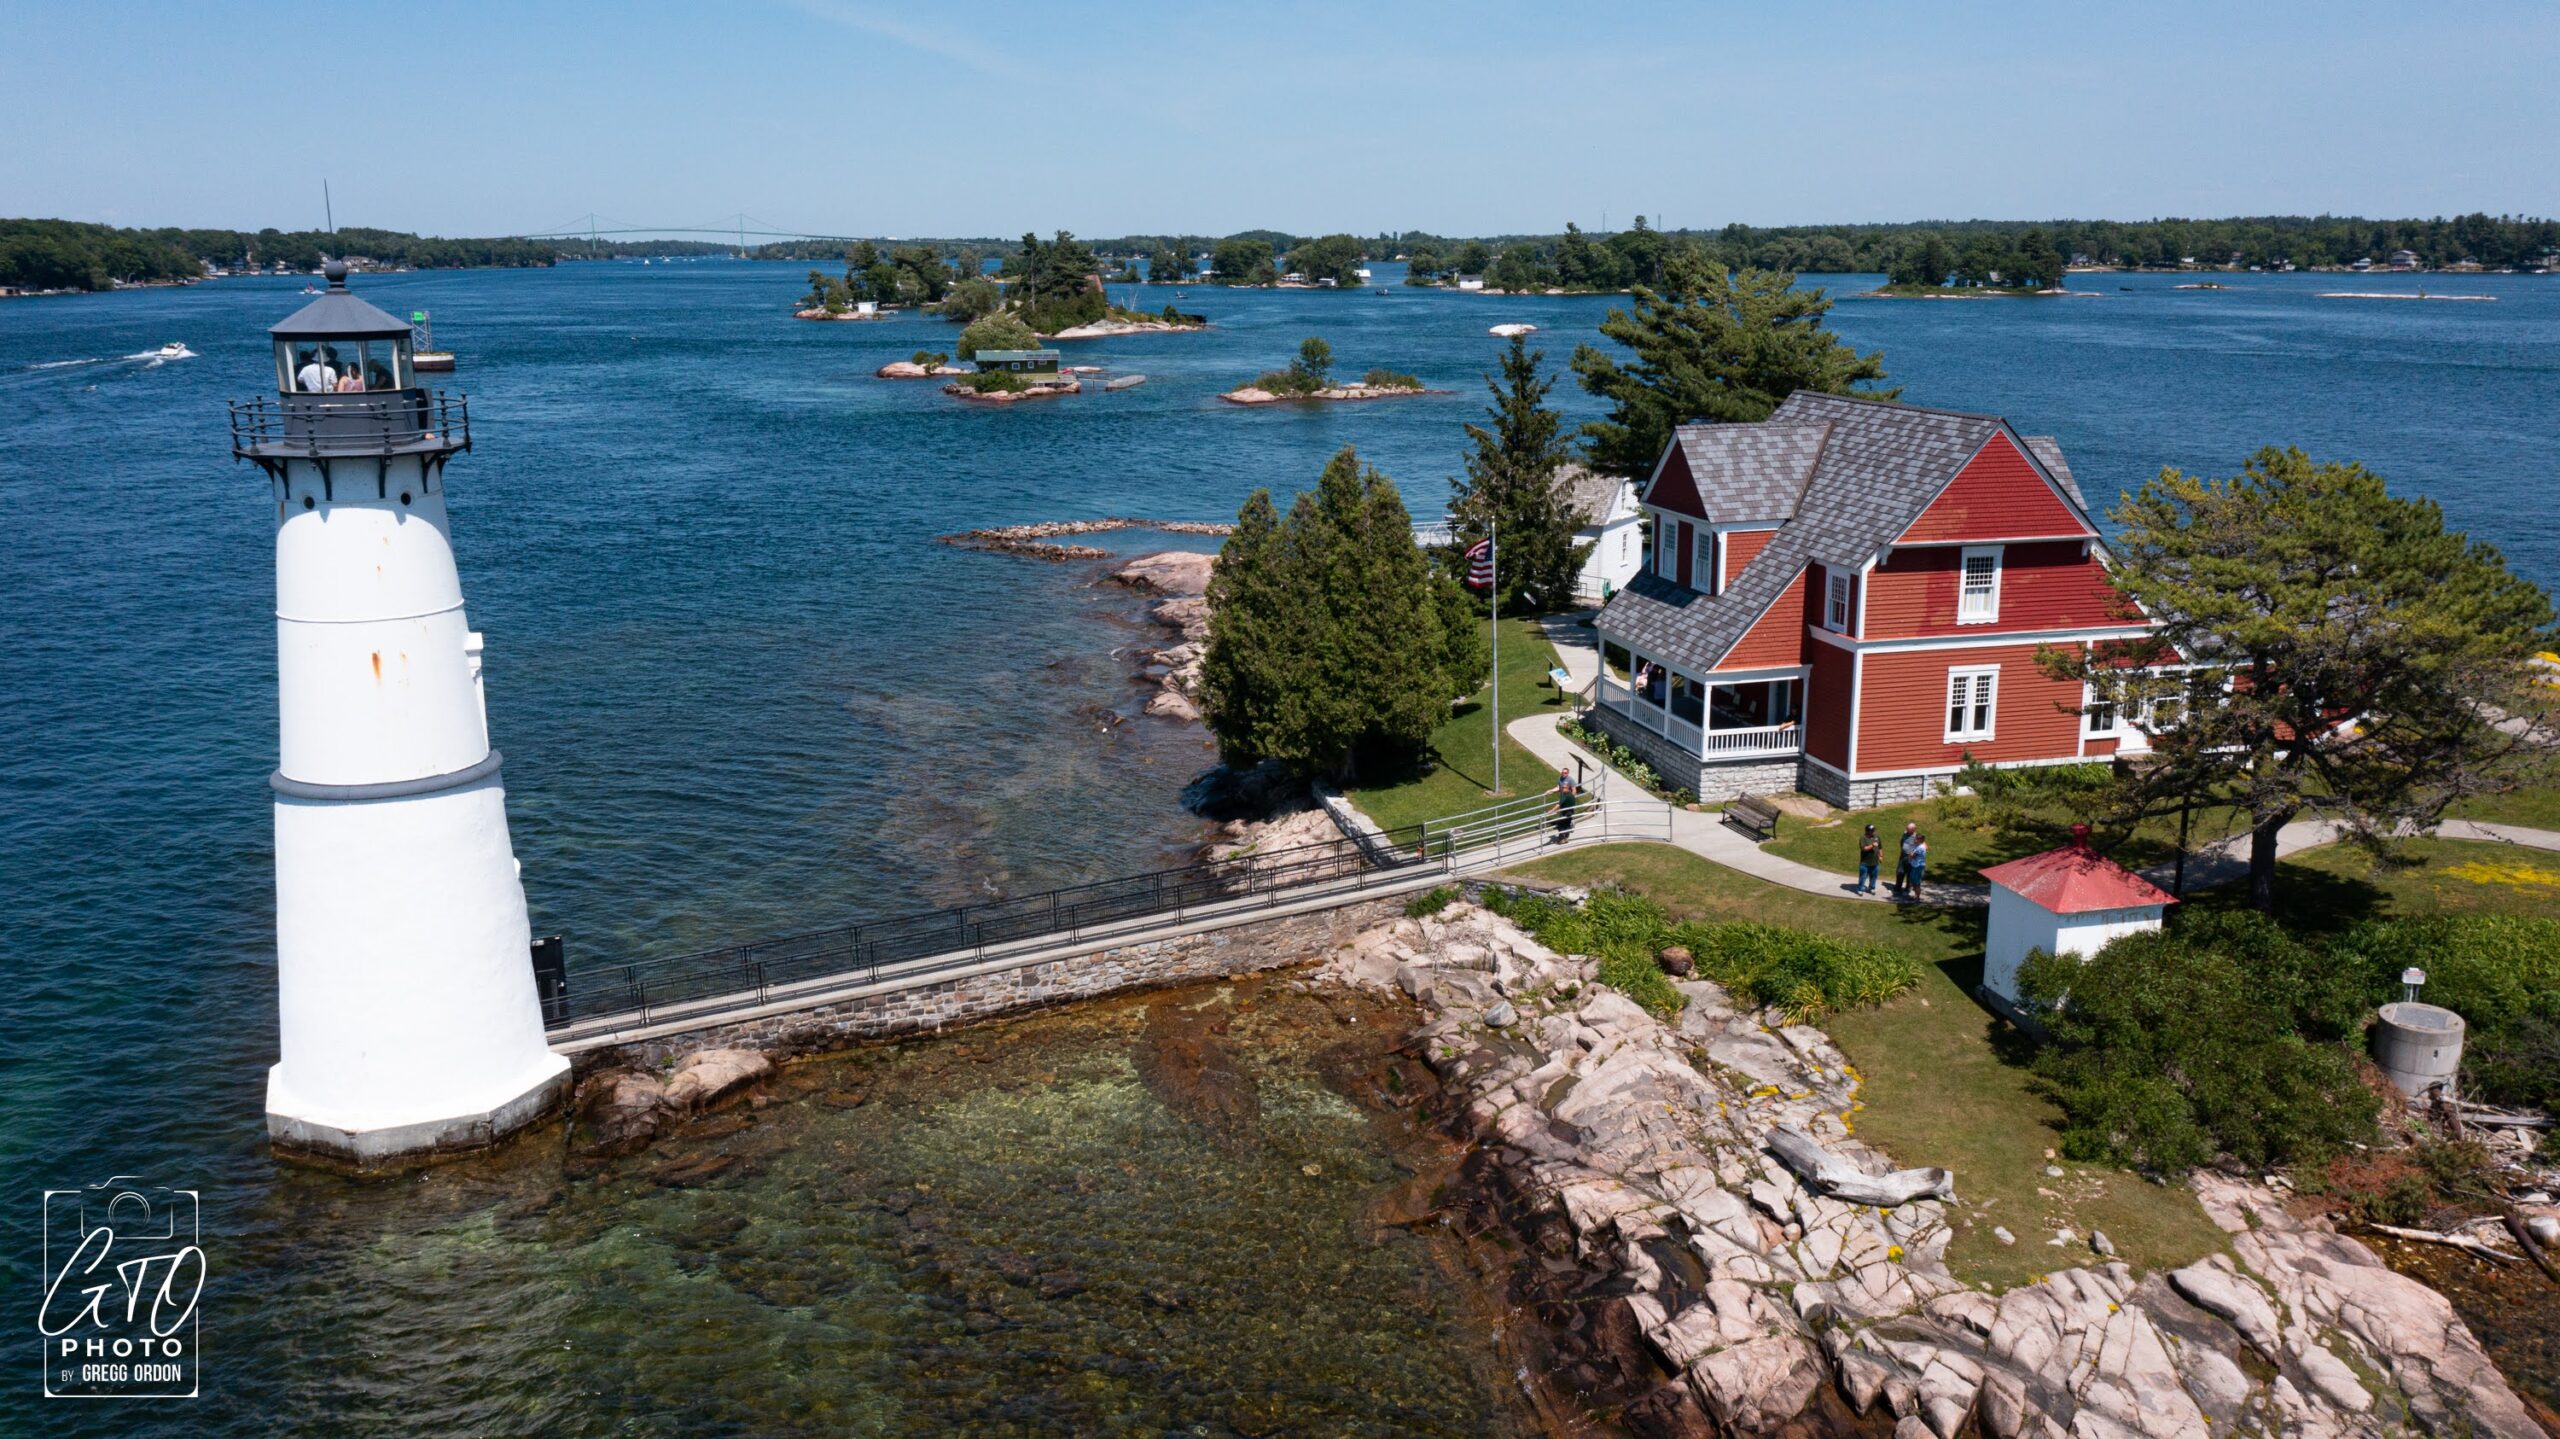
844 116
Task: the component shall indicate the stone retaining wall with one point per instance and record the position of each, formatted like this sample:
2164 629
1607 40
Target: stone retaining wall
1841 792
1243 948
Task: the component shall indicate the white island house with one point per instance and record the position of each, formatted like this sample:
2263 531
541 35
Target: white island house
1612 525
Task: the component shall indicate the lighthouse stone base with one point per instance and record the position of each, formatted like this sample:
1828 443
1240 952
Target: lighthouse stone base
294 1135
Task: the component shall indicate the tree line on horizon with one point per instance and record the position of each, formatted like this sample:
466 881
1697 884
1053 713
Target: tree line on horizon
66 254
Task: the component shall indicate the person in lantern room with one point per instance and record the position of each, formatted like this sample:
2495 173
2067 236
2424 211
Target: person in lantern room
315 377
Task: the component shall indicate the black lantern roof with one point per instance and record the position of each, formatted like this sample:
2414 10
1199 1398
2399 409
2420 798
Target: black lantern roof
339 315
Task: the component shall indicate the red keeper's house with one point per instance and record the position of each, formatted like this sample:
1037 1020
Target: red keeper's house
1848 597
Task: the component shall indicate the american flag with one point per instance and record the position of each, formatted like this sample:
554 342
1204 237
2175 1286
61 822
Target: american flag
1480 564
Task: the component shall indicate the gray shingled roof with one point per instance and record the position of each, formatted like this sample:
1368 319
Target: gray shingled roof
1878 466
1750 472
2048 453
1587 493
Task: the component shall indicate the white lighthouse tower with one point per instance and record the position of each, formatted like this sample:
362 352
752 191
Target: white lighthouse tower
404 978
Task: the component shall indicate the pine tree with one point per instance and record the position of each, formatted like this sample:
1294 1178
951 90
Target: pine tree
1511 481
1711 346
1329 646
1244 672
2349 653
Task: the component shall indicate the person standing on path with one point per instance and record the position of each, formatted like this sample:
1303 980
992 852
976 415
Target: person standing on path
1870 858
1565 800
1919 862
1902 861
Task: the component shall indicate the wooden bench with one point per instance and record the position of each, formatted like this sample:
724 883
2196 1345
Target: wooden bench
1753 816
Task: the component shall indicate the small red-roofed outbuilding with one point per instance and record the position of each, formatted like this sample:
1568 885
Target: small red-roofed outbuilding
2071 900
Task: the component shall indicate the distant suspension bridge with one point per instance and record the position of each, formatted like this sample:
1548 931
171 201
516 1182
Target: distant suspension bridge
740 227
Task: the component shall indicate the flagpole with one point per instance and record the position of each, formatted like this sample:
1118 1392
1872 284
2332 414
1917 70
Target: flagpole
1493 559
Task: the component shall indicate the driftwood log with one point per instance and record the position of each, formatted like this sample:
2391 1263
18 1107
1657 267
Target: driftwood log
2532 1247
1828 1174
2463 1242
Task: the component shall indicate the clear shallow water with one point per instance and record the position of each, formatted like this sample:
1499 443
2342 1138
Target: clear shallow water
742 692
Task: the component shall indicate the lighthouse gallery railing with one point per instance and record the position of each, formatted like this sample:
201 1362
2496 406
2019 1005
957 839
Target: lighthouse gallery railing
637 992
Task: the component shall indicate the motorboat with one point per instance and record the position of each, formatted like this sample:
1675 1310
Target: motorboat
170 351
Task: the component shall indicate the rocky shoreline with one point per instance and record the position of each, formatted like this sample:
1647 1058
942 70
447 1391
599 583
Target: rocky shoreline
1181 580
1035 390
1687 1281
1255 395
1105 329
1038 541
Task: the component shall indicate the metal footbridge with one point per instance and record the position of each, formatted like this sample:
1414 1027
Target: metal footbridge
600 1005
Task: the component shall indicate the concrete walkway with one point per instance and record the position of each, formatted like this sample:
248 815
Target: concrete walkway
1577 646
1709 837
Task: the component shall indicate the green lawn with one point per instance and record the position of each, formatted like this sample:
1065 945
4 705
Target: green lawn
1958 856
1940 1086
1461 778
2537 806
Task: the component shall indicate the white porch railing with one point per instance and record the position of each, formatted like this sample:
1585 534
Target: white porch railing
1767 739
1756 742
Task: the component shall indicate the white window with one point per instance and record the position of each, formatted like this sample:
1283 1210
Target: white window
1702 563
1666 547
1971 696
2097 716
1835 610
1978 586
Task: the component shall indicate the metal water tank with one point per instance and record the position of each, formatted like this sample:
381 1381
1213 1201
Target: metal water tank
2419 1046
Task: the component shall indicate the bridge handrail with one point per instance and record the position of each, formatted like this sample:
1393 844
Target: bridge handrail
1488 837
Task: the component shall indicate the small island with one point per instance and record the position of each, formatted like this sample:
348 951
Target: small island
922 365
1987 267
874 286
1006 375
1310 377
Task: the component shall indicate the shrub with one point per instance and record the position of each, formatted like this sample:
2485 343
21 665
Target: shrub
971 299
2223 1035
1803 974
2491 969
996 332
1622 931
930 359
1287 382
987 382
2038 797
1618 757
1431 901
1390 380
2501 973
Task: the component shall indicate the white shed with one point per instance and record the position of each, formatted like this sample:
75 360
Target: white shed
2070 900
1612 525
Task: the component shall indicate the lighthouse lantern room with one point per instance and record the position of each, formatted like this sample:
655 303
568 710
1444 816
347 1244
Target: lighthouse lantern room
408 1021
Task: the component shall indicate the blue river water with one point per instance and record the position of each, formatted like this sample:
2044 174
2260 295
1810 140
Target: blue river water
743 692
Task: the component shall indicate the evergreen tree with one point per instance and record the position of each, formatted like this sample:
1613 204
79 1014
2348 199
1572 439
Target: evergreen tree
1314 363
1711 346
1164 265
2039 263
2334 646
1328 647
1511 482
1245 670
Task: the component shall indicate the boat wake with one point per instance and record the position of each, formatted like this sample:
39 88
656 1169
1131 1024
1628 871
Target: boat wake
171 351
